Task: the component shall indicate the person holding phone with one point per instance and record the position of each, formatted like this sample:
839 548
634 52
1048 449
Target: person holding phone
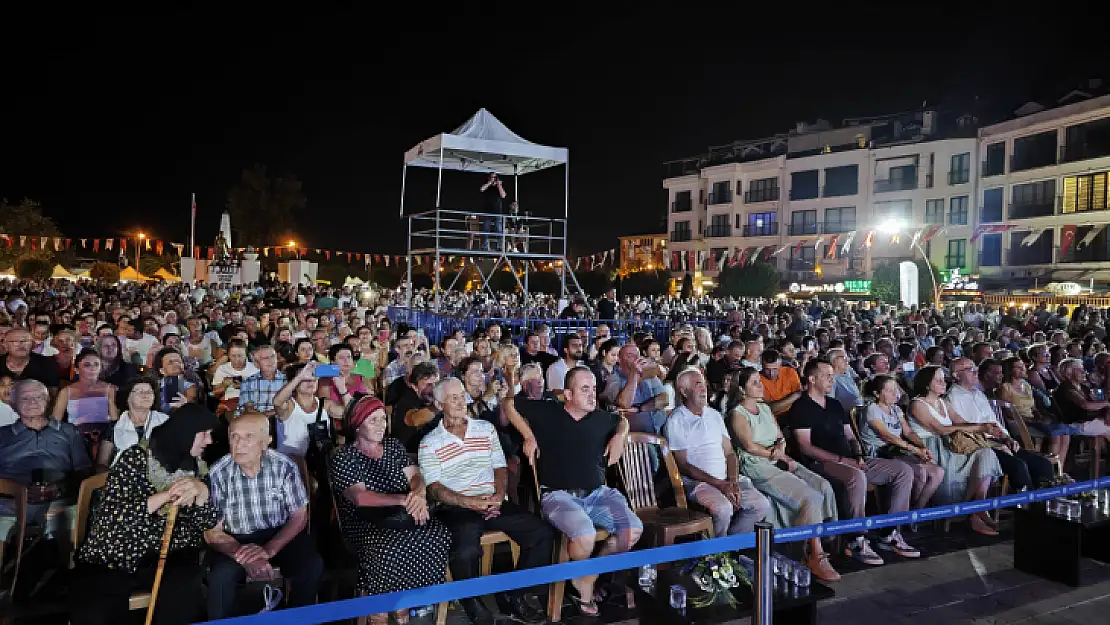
493 193
176 391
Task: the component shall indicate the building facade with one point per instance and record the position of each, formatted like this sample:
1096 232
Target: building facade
641 252
980 192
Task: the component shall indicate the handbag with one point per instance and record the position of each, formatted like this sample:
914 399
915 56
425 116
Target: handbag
320 444
966 443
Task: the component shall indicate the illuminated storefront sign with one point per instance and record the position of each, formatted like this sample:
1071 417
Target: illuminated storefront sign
849 287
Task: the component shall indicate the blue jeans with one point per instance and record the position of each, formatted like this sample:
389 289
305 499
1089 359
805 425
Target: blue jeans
492 225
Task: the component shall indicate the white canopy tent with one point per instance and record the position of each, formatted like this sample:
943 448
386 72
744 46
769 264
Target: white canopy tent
482 145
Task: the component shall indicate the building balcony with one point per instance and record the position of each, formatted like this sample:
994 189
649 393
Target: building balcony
720 198
895 184
955 261
1020 255
837 227
990 215
680 236
957 218
928 181
992 169
798 230
959 176
718 230
839 190
1027 210
766 230
1090 254
803 194
761 195
991 259
1069 153
801 264
682 207
1023 161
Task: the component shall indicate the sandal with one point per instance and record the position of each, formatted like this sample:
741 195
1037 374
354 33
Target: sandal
585 608
979 527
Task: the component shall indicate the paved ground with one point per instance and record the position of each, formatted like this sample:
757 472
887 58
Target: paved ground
978 586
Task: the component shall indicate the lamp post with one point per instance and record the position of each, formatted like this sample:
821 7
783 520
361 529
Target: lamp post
139 250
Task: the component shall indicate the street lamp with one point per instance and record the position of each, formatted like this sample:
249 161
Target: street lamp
139 249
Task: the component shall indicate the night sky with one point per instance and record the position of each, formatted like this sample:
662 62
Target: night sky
112 121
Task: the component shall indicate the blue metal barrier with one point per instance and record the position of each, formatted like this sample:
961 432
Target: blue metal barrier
352 608
438 325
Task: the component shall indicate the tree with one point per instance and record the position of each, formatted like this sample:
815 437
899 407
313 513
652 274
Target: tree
687 286
32 268
886 282
758 279
645 283
592 282
24 219
108 272
261 208
150 263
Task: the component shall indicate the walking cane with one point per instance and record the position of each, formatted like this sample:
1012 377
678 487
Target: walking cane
166 538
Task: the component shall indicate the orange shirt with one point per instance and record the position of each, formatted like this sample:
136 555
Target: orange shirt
788 382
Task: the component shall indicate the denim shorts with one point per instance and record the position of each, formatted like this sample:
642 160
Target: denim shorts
1055 429
578 516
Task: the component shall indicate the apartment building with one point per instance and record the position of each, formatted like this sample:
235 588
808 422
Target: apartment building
813 187
1043 190
641 252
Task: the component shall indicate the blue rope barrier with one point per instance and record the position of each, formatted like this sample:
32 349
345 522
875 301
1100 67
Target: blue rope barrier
362 606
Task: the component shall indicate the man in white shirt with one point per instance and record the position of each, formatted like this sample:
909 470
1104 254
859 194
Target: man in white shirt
707 461
464 467
1026 469
572 357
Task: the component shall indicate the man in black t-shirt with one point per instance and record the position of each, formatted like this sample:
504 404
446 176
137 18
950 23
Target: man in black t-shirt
533 353
823 431
492 194
607 306
20 363
574 437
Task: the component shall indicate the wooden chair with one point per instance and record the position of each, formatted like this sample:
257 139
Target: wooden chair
18 493
555 590
309 486
138 600
635 468
859 413
1017 424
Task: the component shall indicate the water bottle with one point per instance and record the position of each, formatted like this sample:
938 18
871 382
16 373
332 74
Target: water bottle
648 575
678 597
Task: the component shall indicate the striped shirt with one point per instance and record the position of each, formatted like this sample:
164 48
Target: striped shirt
465 465
265 501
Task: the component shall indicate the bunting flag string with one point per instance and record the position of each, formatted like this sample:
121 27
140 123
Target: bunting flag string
1090 237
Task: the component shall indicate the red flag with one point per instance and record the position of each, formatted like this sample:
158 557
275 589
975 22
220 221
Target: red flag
870 237
930 233
327 254
800 244
358 255
832 247
348 257
304 251
96 245
158 247
1067 239
277 250
196 250
34 243
744 256
68 241
123 245
211 253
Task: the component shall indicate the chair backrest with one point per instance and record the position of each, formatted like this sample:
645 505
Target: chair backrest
18 493
84 501
1018 424
637 471
306 479
858 413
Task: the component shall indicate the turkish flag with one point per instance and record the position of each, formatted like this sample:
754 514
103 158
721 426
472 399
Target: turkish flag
1067 239
158 247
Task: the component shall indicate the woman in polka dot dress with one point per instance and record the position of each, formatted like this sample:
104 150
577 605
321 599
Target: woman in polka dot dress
376 472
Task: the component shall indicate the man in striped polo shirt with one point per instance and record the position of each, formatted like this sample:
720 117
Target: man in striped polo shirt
465 470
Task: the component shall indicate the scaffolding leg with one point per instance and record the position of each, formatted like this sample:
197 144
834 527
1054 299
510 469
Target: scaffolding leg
566 268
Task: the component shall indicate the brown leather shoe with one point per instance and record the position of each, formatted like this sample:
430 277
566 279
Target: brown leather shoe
821 569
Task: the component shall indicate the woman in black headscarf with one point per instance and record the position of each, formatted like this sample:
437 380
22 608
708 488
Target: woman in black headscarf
121 551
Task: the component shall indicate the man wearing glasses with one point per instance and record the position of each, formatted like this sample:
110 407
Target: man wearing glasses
20 363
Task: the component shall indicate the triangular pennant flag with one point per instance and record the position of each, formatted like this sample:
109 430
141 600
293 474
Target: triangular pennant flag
327 254
781 250
1090 237
358 256
179 247
831 251
869 239
57 244
930 233
387 260
158 247
83 244
43 242
915 239
108 244
123 245
147 245
743 256
96 245
754 256
800 244
817 243
768 251
303 252
418 261
848 242
211 253
22 240
1032 237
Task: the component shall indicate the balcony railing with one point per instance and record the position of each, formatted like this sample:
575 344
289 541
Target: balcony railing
678 236
682 207
989 259
990 215
957 218
895 184
795 230
837 190
718 230
992 169
1087 209
723 197
955 261
800 264
803 194
836 227
959 176
1089 254
1071 152
1020 255
761 195
928 181
1026 210
1031 160
766 230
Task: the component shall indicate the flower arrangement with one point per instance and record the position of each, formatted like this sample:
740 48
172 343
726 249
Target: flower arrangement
716 575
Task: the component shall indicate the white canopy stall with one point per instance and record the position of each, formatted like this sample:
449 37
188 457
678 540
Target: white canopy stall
483 145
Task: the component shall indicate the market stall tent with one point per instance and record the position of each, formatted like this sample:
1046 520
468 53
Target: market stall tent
62 272
130 273
167 276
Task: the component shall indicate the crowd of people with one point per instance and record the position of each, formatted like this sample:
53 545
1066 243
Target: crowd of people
254 411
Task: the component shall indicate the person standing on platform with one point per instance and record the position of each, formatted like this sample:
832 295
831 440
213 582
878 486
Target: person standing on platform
492 193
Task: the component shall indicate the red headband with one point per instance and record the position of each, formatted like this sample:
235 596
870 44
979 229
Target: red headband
362 409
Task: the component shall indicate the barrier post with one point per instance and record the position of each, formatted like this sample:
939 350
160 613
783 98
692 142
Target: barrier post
764 576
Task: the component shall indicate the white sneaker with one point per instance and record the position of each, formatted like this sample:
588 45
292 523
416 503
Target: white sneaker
898 545
859 549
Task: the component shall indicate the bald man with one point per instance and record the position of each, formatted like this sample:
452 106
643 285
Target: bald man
262 501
